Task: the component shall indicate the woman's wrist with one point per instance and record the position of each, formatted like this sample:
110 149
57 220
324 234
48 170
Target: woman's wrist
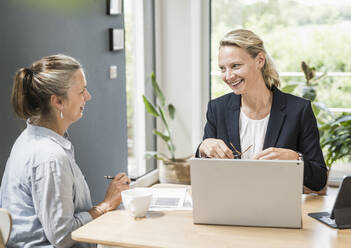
99 209
104 206
95 212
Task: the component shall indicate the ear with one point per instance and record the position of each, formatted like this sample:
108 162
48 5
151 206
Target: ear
56 102
260 60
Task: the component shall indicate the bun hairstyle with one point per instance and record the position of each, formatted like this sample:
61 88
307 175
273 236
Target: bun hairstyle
249 41
34 86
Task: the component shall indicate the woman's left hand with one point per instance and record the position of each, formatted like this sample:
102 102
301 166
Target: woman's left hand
273 153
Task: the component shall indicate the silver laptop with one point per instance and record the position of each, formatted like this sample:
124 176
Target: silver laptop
247 192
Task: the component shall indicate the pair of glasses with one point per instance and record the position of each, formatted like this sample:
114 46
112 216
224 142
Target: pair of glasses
239 153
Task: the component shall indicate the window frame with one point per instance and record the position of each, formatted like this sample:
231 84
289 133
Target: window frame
143 64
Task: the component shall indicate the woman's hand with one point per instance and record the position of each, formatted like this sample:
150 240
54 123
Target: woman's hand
113 195
273 153
215 148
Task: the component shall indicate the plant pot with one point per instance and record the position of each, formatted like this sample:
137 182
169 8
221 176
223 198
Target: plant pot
177 171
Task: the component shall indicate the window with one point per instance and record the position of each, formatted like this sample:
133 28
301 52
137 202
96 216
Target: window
314 31
140 62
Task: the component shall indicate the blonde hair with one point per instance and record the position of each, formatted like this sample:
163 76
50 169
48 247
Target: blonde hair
34 86
249 41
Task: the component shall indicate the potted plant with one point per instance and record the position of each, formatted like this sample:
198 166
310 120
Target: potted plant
308 91
171 168
336 139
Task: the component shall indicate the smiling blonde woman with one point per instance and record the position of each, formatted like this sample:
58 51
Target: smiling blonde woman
257 117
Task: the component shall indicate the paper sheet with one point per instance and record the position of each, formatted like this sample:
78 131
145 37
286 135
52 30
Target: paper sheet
170 199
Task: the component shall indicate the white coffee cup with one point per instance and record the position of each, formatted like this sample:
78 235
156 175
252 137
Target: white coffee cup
137 201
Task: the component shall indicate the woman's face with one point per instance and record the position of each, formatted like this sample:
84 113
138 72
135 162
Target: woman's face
77 95
239 70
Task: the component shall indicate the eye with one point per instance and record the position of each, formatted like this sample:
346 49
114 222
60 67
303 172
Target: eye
82 92
222 69
236 65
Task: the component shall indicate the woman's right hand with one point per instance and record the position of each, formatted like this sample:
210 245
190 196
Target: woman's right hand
215 148
113 195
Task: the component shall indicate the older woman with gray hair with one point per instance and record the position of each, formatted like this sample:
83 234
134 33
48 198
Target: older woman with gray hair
257 120
43 187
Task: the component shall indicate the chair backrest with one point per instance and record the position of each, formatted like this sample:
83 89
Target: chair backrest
5 226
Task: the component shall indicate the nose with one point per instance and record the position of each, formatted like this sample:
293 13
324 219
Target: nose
228 75
87 96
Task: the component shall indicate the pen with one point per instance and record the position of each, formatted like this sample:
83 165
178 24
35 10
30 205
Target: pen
112 177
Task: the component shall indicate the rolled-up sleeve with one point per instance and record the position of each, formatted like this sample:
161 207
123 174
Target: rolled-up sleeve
53 197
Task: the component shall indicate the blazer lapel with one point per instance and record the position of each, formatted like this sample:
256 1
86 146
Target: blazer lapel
232 121
276 119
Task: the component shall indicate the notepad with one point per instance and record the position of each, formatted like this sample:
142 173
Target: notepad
170 199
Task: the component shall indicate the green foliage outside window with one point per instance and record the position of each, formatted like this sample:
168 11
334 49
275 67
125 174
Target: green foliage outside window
292 32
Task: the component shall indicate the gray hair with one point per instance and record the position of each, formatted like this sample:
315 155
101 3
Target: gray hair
249 41
34 86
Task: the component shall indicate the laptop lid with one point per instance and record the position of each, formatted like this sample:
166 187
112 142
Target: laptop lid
247 192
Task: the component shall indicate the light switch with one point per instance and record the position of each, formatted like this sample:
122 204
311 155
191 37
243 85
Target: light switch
113 72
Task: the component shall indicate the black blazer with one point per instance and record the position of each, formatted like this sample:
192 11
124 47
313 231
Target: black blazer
291 125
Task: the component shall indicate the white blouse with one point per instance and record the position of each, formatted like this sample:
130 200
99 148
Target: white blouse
252 132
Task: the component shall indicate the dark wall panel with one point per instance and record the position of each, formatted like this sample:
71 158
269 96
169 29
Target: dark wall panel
32 29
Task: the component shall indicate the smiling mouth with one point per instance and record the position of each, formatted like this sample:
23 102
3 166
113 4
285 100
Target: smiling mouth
236 83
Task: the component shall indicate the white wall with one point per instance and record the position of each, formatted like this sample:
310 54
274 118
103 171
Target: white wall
182 59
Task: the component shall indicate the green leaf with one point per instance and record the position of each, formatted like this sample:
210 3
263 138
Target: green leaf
325 127
171 111
343 118
315 109
163 117
157 90
165 137
323 107
156 155
289 88
150 107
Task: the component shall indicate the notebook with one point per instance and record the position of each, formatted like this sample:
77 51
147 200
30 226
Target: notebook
247 192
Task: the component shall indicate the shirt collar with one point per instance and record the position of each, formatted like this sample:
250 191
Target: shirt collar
46 132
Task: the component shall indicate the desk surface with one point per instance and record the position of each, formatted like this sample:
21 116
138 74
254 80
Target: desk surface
176 229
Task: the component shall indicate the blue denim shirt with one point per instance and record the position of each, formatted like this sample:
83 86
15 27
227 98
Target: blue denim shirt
44 190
